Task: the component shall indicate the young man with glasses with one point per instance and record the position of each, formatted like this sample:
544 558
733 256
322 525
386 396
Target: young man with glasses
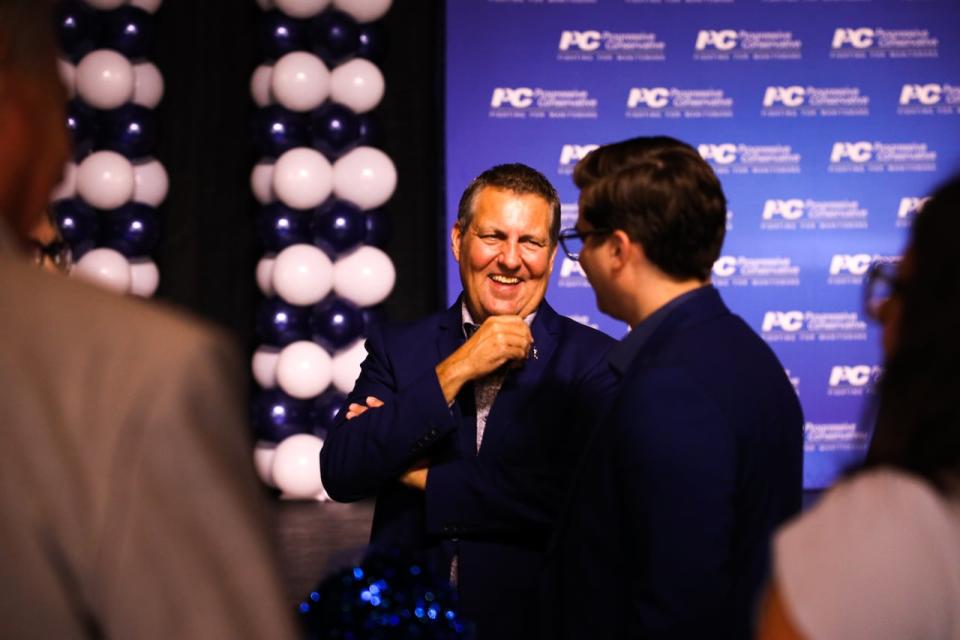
666 533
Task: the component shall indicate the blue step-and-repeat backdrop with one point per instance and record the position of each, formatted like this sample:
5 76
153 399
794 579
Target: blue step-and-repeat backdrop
828 122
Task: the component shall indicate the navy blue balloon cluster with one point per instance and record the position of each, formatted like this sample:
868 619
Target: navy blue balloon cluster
338 227
386 597
113 187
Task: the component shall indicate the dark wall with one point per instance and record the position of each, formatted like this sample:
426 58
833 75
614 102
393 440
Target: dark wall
206 52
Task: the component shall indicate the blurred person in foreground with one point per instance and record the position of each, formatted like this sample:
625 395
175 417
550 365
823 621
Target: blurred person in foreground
466 425
128 503
700 459
879 556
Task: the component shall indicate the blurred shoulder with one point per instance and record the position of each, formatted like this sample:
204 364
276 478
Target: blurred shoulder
72 313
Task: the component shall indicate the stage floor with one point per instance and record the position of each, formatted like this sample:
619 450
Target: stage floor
317 538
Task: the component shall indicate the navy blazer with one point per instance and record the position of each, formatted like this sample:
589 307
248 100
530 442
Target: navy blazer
494 509
667 531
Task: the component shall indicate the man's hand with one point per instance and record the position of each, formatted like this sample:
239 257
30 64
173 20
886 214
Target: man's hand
416 476
355 409
500 339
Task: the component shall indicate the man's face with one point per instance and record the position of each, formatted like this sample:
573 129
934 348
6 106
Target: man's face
594 263
505 254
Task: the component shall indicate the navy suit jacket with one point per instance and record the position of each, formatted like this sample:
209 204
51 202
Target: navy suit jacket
494 509
667 530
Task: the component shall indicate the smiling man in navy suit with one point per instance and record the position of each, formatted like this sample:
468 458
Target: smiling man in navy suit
666 534
466 425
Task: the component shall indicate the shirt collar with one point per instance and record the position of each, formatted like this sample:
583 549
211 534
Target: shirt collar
624 352
466 319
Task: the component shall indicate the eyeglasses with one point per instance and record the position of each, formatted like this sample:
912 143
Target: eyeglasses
56 253
572 240
882 283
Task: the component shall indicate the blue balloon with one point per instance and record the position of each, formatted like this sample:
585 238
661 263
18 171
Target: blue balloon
276 416
130 130
128 30
78 225
336 323
372 41
335 36
276 129
278 34
372 317
133 229
371 133
334 129
77 29
279 226
82 127
378 227
324 410
338 226
279 323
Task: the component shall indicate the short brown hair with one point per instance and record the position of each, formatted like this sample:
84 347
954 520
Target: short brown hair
663 195
515 177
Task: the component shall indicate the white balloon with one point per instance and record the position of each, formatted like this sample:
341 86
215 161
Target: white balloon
357 84
147 84
263 455
105 180
300 81
302 178
261 182
68 76
304 369
364 10
150 182
106 5
296 468
265 275
105 268
260 85
302 274
105 79
144 277
346 366
365 277
365 176
68 186
150 6
264 366
301 8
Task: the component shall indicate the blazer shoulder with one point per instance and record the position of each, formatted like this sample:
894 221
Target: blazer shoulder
413 333
74 313
583 335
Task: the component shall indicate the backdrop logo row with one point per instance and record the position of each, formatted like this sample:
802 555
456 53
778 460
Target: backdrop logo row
827 129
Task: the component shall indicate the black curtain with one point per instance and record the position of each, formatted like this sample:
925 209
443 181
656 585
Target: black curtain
207 257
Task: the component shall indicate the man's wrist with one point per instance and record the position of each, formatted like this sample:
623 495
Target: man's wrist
452 374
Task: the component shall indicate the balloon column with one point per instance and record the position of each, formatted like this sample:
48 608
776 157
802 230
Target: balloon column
320 182
106 206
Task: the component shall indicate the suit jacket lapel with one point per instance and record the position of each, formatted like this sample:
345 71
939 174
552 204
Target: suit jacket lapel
449 338
519 382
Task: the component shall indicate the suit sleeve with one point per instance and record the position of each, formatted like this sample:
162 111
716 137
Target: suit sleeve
184 550
361 455
517 494
676 457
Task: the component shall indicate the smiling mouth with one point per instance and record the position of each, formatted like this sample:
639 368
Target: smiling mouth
502 279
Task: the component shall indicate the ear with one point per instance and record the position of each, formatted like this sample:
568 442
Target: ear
621 250
553 256
456 235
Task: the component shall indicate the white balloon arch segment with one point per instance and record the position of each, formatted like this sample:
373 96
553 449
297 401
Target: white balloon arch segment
321 185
